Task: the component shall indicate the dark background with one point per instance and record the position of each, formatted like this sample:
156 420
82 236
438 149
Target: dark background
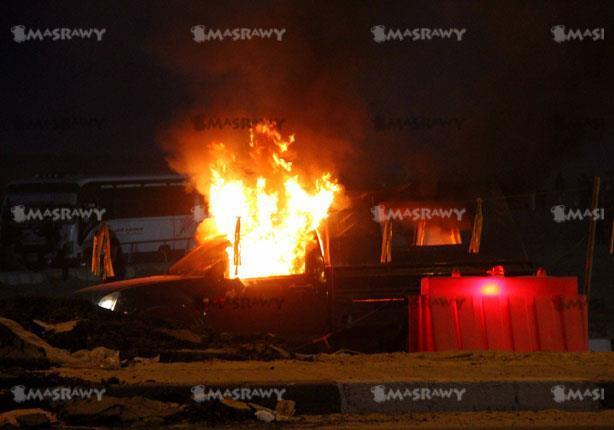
531 108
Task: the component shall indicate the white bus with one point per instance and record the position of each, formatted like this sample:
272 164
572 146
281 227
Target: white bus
51 221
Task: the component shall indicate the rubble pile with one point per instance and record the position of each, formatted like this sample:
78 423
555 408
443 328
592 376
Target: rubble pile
74 324
141 411
35 331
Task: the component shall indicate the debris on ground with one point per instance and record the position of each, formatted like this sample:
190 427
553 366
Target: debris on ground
285 408
99 357
280 351
184 335
62 327
346 352
146 360
34 417
235 405
72 325
33 347
215 412
114 410
265 416
15 350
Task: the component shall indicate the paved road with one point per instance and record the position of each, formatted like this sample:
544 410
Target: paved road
446 421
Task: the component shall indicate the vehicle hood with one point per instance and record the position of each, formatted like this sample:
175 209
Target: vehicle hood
134 283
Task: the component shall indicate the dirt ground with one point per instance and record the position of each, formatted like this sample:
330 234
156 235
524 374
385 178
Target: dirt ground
459 366
453 420
449 420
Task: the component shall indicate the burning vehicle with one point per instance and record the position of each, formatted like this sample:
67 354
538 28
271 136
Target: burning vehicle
275 256
260 262
197 293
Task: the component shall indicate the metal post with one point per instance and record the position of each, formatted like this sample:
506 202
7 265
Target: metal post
331 290
612 237
327 259
590 246
237 249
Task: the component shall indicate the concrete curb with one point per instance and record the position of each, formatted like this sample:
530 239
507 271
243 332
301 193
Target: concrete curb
310 398
327 397
477 396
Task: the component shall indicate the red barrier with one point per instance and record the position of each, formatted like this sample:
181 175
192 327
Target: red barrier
499 285
495 313
524 327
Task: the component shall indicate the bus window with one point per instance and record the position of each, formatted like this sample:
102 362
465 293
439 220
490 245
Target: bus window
166 201
136 200
120 202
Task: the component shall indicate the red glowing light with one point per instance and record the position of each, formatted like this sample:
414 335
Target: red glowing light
490 290
497 285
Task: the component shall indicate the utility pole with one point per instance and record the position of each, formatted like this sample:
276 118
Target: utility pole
590 246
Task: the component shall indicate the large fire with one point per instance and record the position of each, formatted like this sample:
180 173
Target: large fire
267 211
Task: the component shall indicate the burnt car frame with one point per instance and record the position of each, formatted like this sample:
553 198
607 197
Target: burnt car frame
196 292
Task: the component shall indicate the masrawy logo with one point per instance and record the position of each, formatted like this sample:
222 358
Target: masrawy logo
22 34
380 214
384 123
562 394
21 214
60 124
382 394
381 34
202 393
201 122
560 213
21 394
562 34
246 302
561 303
566 123
207 34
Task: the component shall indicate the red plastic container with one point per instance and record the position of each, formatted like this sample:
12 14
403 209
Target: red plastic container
498 313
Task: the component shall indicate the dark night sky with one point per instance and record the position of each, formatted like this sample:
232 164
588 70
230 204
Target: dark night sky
529 107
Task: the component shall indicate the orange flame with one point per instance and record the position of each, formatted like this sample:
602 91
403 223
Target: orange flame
267 212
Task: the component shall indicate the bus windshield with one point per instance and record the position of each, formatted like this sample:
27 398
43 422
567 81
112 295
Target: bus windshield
39 196
44 194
